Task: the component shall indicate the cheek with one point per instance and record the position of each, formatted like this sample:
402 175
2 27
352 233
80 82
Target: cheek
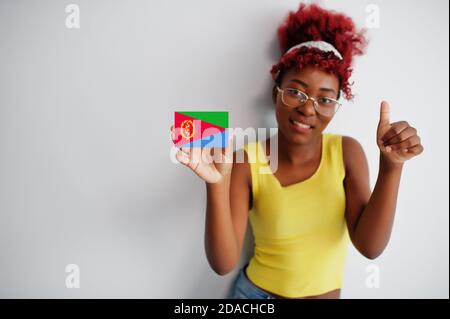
281 115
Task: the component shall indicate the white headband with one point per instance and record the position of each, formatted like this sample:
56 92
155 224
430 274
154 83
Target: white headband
321 45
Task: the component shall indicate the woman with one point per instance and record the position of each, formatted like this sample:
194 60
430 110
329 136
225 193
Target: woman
304 214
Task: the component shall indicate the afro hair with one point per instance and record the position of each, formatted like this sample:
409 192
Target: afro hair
313 23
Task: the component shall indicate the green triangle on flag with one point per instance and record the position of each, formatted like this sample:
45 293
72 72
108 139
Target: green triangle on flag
216 118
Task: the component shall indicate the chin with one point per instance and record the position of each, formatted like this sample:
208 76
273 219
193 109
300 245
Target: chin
299 138
296 138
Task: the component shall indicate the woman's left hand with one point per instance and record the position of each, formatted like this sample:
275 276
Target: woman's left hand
398 141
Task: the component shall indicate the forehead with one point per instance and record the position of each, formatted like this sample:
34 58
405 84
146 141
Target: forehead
313 76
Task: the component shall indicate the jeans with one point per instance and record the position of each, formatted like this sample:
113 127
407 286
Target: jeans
243 288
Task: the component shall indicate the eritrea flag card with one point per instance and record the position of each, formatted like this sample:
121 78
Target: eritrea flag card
201 129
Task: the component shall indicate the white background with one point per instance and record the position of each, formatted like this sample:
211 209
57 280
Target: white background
85 174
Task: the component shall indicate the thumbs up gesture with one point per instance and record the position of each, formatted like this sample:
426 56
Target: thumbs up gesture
398 141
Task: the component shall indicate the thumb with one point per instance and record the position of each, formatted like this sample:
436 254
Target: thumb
385 111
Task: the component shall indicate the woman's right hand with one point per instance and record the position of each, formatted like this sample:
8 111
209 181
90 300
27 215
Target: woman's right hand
212 165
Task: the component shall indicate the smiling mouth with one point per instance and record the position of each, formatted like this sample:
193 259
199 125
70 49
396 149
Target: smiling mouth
301 125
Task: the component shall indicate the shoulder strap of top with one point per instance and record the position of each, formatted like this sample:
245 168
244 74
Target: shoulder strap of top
336 154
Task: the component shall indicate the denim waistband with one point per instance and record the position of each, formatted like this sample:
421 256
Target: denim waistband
243 286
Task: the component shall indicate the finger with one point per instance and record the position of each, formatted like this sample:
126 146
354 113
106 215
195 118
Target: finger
207 154
216 154
199 155
223 154
186 149
404 135
172 133
396 129
175 133
229 149
193 153
385 112
182 157
409 142
193 156
416 149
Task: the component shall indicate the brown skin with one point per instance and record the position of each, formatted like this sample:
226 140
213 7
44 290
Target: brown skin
369 215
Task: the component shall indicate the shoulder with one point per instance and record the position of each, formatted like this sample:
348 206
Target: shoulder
350 143
248 158
353 152
251 149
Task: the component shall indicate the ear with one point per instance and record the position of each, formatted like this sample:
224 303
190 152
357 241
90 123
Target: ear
274 94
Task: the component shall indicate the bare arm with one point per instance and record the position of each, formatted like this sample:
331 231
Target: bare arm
226 218
370 216
228 191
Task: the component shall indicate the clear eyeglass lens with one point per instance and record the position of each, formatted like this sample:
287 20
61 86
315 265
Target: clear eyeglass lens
327 106
295 98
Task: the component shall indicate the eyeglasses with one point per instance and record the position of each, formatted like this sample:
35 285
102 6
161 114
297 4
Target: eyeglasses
325 106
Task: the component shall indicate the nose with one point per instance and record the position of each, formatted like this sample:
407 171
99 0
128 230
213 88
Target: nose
307 109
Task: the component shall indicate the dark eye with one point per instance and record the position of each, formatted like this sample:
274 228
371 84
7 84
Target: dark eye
293 92
298 94
326 101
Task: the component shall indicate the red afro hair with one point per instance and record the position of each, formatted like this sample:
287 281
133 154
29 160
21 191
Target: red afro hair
313 23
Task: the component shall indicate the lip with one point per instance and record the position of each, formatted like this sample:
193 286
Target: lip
299 129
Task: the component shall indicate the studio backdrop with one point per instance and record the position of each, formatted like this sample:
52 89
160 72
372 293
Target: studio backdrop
91 204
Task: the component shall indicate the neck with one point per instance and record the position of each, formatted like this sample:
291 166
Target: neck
298 153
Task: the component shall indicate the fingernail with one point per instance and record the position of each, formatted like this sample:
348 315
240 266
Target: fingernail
388 149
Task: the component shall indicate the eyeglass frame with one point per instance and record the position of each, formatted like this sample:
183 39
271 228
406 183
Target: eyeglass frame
315 103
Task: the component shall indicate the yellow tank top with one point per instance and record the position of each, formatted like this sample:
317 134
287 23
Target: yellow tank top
300 233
